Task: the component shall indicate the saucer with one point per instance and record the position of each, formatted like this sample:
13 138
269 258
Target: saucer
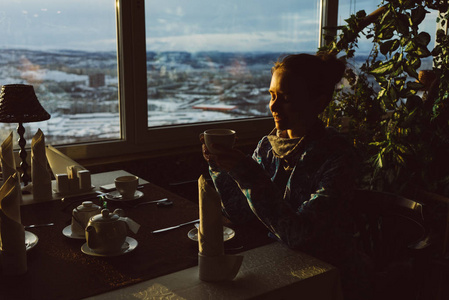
129 245
30 240
228 234
116 196
67 231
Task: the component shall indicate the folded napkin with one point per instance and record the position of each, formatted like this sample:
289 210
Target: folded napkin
40 173
7 158
213 264
59 162
12 233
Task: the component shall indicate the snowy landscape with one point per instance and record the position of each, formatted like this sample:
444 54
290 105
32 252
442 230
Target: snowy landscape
80 89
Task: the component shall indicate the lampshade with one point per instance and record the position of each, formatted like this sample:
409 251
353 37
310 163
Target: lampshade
19 104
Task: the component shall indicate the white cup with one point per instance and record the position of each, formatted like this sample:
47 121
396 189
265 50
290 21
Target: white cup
127 185
222 137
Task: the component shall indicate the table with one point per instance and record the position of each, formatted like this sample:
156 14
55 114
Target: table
57 269
272 271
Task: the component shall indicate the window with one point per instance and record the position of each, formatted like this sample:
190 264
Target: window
68 52
122 77
211 60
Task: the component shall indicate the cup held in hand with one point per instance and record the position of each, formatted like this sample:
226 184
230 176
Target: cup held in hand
127 186
223 137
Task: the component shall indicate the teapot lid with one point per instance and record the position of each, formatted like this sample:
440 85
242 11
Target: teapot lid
88 206
105 216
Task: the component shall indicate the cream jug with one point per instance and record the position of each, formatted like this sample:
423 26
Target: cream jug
106 232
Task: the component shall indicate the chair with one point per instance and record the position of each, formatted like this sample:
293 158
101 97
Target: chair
395 235
439 262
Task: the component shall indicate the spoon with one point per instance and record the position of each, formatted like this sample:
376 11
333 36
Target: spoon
161 202
38 225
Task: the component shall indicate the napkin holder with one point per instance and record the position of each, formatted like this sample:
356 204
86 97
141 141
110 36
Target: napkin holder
74 181
71 177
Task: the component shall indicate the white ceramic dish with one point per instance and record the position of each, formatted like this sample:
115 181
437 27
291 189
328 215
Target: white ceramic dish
129 245
30 240
228 234
116 196
67 231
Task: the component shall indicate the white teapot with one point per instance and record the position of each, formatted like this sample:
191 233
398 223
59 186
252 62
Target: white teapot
81 215
106 232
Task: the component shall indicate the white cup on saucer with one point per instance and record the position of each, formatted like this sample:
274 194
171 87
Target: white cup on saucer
127 186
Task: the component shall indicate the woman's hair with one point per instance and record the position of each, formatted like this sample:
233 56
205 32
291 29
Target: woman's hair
319 73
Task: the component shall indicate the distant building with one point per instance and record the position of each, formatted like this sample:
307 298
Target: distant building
97 80
215 107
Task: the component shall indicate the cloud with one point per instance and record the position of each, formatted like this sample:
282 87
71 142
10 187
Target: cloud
259 41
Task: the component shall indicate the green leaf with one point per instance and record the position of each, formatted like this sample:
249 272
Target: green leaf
398 69
383 69
386 33
385 16
399 159
410 70
422 51
402 24
415 62
399 81
436 51
414 85
392 94
389 46
423 38
418 15
402 149
410 46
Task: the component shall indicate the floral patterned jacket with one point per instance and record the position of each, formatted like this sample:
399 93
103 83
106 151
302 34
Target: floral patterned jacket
307 207
306 210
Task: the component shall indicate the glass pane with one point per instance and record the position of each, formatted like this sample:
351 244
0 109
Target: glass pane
67 51
210 60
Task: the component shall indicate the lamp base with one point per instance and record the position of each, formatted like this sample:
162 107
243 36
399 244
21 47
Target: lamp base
25 178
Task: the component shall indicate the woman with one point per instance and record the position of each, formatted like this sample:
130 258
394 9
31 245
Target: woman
300 176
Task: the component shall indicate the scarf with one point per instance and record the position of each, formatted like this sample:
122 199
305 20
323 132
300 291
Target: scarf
287 149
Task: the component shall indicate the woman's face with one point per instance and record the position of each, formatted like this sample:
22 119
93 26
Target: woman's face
289 103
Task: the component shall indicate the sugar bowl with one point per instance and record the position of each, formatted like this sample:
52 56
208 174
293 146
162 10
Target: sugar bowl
81 216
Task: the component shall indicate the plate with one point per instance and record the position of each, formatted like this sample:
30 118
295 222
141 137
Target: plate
30 240
116 196
228 234
129 245
67 231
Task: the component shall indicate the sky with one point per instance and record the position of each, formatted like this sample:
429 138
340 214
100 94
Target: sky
171 25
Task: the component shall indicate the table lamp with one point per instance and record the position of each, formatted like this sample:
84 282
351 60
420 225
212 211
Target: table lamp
19 104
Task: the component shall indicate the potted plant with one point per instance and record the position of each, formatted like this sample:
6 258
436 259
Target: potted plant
399 121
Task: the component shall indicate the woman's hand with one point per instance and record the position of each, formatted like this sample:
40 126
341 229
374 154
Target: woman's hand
226 159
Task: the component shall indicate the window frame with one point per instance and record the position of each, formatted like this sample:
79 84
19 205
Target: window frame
136 138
